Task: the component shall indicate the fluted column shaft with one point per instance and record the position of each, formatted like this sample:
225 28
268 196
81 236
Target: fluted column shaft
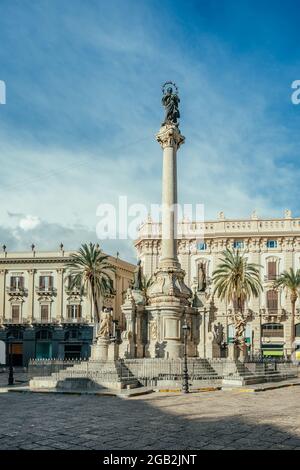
170 139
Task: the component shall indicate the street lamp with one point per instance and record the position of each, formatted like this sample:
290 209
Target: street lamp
185 384
11 370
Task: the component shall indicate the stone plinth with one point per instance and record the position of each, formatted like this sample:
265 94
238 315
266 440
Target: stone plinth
99 350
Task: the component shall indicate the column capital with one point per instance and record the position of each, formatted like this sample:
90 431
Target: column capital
170 136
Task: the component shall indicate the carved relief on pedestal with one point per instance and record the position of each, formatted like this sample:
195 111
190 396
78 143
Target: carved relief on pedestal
153 330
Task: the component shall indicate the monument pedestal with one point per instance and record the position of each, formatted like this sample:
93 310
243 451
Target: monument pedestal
99 350
213 349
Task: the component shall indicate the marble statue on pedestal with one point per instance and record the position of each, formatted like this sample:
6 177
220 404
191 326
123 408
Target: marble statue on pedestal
105 326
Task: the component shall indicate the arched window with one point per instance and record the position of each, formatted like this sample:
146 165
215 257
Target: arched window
43 334
297 330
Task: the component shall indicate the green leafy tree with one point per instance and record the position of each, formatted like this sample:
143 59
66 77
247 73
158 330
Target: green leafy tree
146 284
91 270
236 280
290 282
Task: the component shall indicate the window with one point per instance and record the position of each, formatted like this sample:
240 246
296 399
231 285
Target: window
272 244
272 270
238 305
72 334
44 313
71 282
15 313
238 244
272 300
17 334
46 283
297 330
43 334
201 246
230 333
272 330
16 282
74 311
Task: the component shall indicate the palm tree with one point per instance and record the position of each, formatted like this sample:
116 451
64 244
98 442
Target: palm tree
235 280
290 281
146 284
90 269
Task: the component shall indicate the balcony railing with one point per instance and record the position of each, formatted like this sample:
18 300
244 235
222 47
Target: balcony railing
75 290
12 321
74 320
45 290
272 333
16 290
271 277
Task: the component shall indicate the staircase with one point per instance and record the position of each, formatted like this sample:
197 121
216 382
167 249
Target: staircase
237 373
88 375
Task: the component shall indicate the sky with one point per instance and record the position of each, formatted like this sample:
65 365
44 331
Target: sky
83 104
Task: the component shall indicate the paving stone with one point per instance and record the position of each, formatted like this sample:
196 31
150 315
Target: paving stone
217 420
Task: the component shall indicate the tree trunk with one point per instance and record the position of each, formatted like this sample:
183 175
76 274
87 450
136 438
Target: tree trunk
294 297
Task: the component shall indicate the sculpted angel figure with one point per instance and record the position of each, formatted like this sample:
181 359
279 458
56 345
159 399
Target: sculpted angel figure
240 326
105 327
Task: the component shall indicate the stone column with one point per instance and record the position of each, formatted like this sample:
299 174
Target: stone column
168 295
2 295
30 312
170 140
59 298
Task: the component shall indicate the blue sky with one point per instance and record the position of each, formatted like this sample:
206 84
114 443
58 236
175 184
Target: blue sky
83 82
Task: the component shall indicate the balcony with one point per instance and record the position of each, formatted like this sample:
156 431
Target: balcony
272 314
74 320
42 321
16 291
271 277
269 333
75 290
12 321
48 291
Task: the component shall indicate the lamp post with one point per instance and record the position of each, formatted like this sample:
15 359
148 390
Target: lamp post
185 384
11 370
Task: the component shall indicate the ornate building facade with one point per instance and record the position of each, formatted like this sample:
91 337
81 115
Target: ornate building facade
41 314
274 244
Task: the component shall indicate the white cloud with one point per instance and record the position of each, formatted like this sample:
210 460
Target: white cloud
29 222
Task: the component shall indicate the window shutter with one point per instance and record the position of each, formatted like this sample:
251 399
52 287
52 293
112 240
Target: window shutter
44 312
272 270
272 300
15 313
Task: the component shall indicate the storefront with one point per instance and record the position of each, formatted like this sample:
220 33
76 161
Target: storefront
272 350
46 342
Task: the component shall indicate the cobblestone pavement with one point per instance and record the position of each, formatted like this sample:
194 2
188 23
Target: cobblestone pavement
211 420
20 376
